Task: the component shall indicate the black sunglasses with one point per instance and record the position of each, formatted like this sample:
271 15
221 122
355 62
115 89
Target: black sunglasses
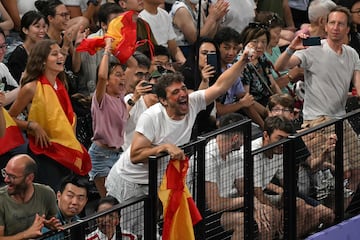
258 25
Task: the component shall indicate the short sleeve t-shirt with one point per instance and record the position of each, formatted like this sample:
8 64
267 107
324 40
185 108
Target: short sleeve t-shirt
17 217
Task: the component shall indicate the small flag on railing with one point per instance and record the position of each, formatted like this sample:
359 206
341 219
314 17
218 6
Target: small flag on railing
180 211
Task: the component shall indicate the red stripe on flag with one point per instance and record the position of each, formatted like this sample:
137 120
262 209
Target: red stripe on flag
77 161
12 139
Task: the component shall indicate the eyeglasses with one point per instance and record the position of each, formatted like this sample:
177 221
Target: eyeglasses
258 25
142 75
63 14
356 11
10 176
281 110
3 46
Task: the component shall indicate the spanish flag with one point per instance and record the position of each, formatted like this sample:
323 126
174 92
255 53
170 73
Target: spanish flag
13 137
180 211
123 30
52 110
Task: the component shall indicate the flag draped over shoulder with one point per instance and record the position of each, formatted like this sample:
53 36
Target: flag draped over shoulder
180 211
123 30
52 110
13 137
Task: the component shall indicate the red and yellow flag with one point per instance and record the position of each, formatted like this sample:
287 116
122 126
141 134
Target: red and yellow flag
180 211
13 137
123 30
52 110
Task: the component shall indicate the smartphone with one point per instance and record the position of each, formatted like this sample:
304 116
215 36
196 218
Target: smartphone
144 84
312 41
212 59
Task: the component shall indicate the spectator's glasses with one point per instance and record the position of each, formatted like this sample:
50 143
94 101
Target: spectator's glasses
258 25
281 110
10 176
357 11
64 14
142 75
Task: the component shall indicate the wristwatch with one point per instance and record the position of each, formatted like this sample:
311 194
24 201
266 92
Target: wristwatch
131 102
94 2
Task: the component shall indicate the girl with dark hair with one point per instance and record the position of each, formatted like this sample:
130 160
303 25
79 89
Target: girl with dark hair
33 29
109 114
67 33
199 74
51 121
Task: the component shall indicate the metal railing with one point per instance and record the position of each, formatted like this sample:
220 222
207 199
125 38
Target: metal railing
197 148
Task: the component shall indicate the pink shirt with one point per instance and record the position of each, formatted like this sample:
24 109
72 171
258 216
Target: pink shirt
109 119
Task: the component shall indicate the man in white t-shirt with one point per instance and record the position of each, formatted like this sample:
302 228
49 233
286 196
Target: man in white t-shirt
224 178
161 26
162 128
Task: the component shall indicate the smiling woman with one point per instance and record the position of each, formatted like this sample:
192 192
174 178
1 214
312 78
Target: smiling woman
52 140
33 29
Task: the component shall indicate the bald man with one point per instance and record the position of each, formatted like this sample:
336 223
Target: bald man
25 206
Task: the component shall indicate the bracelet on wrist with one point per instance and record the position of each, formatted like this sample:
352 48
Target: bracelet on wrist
289 51
106 53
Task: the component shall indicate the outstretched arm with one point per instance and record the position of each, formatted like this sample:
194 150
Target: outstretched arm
226 79
287 59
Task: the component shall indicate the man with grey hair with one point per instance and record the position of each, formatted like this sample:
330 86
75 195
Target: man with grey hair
317 12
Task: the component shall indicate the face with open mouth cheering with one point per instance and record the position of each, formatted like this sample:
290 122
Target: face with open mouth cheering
177 100
55 60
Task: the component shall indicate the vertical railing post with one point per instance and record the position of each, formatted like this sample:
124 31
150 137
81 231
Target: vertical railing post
339 172
150 211
200 186
290 188
248 184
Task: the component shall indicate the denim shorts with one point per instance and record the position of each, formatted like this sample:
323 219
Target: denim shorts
102 160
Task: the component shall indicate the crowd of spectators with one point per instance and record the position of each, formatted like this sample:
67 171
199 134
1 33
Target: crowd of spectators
99 118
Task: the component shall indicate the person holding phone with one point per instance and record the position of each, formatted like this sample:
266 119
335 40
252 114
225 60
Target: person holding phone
327 81
201 76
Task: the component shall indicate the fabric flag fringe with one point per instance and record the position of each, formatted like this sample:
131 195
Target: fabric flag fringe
123 30
180 211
